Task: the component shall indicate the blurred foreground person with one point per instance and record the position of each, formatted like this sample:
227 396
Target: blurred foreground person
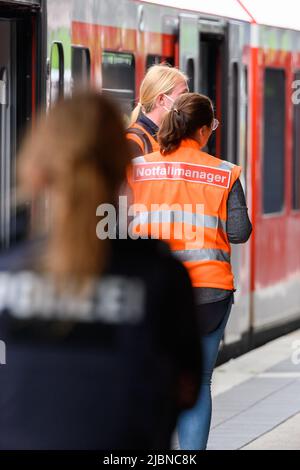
196 202
159 89
94 329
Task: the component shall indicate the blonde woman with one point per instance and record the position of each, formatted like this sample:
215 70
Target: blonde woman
160 87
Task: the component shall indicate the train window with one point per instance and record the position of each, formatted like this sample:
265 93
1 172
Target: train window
190 71
81 66
158 59
153 60
57 71
118 78
274 141
296 153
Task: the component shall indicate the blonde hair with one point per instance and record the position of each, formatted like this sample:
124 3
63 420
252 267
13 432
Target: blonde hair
159 79
79 153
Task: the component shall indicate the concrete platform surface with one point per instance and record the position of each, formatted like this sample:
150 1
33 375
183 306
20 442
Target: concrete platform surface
256 402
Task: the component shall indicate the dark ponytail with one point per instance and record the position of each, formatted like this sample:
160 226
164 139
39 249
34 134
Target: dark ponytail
190 112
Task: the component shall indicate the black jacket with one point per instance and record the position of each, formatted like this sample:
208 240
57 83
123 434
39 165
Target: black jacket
106 380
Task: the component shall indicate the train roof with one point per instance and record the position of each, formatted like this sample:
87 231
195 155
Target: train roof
265 12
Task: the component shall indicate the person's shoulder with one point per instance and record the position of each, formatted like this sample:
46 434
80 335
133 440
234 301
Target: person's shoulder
219 162
136 128
154 157
132 126
149 158
215 161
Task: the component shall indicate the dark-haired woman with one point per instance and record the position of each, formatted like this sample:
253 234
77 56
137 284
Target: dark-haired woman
196 202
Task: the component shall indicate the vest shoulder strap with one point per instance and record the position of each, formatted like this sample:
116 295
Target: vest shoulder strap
146 144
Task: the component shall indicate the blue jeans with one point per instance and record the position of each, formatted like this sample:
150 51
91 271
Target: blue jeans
194 424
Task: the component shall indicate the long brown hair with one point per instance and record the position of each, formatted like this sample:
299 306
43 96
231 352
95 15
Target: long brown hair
190 112
79 154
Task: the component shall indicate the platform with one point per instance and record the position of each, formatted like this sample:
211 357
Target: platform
257 399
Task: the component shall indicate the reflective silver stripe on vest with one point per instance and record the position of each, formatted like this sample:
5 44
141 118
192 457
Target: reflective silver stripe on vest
138 160
205 254
225 165
197 220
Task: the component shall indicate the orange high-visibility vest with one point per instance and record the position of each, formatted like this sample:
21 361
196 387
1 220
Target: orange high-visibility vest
183 199
143 138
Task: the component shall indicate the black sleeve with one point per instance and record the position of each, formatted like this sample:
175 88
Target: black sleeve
239 227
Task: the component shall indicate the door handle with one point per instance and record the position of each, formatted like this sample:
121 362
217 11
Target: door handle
3 87
4 160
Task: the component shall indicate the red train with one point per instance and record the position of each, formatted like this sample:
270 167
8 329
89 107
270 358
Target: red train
245 59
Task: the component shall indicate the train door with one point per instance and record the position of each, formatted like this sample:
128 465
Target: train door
20 90
236 150
224 80
211 52
7 125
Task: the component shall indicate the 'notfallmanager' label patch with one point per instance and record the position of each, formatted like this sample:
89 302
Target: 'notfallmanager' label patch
181 171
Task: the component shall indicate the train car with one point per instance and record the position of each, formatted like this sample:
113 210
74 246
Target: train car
245 59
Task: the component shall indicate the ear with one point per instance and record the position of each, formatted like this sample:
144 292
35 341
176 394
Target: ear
202 131
160 100
202 134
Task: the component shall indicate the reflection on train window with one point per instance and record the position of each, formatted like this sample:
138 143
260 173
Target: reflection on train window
153 59
57 70
190 71
296 153
81 66
118 79
274 141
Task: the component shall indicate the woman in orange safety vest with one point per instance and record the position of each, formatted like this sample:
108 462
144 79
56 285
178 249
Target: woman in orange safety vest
195 201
